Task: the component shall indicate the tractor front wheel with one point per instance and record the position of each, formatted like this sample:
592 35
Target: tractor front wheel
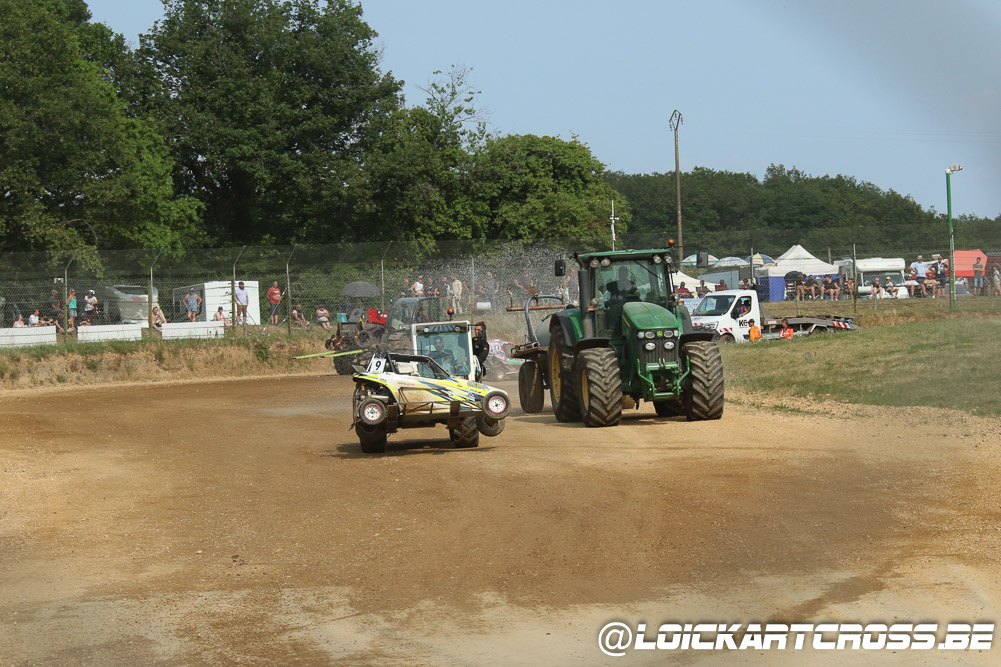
562 393
530 391
702 397
600 387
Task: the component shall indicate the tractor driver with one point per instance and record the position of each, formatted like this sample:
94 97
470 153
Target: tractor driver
623 289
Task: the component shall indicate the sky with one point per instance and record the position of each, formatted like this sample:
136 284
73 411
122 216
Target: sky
890 92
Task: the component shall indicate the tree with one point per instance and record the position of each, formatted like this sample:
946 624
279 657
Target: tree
74 169
545 188
271 107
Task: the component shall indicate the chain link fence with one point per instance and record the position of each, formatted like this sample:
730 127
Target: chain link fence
349 279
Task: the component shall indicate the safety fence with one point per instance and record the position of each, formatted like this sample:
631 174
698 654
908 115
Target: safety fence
312 281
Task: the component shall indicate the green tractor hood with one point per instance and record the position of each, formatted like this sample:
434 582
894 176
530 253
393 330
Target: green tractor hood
640 316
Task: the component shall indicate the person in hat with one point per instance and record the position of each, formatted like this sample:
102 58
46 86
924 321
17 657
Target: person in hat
242 299
919 273
754 333
192 304
89 306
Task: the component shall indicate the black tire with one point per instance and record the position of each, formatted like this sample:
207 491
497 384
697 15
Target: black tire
726 339
467 435
669 408
372 438
343 365
599 387
530 391
490 427
702 397
562 393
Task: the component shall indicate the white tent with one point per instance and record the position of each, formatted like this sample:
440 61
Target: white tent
797 258
690 283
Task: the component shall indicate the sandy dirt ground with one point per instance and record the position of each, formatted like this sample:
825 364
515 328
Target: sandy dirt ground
238 522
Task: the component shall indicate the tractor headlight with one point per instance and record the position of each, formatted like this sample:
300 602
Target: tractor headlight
605 261
639 334
657 259
649 346
668 344
669 333
649 334
593 263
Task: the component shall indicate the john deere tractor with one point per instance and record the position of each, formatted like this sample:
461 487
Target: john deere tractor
629 340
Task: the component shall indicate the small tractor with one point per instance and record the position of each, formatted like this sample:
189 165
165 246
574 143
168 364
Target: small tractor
628 340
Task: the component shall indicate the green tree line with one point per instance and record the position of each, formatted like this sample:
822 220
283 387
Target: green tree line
267 122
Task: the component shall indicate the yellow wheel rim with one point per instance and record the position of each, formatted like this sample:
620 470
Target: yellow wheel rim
584 393
554 372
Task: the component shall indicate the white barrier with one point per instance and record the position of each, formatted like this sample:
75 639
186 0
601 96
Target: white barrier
175 330
22 336
98 332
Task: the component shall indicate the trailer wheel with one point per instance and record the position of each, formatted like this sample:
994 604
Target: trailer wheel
372 438
530 392
669 408
467 435
562 393
702 397
599 387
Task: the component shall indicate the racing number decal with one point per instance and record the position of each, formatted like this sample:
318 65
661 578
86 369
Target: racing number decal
377 366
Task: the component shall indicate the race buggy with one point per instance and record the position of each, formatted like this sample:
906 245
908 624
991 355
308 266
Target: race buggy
412 391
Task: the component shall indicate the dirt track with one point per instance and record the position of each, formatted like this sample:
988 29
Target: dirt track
239 522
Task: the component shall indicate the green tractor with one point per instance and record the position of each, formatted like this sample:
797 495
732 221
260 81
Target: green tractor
629 340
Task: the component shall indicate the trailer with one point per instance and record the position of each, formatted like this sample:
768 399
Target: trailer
729 313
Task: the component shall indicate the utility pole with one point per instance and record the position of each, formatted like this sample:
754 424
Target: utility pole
676 120
952 237
613 219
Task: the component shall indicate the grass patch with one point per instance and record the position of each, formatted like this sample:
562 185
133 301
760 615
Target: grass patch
943 363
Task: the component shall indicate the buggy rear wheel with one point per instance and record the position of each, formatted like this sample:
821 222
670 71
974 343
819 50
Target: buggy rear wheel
372 438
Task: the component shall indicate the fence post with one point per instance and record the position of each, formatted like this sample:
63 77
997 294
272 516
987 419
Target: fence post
149 300
382 273
232 292
288 291
66 305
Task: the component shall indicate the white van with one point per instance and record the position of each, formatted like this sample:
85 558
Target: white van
214 294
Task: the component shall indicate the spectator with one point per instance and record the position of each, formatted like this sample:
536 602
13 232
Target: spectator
722 285
221 317
941 275
275 299
71 309
754 332
323 317
456 293
430 289
19 322
786 331
745 284
890 290
406 290
978 277
702 289
242 299
90 304
812 286
526 283
55 306
192 304
481 347
158 319
300 319
877 289
919 272
799 283
33 319
488 289
683 291
997 281
833 288
930 282
417 289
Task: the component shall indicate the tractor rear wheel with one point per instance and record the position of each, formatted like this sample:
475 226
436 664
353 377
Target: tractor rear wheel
562 393
530 391
669 408
702 397
372 438
467 435
599 386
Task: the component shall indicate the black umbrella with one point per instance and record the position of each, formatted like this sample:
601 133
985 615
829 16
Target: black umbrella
360 289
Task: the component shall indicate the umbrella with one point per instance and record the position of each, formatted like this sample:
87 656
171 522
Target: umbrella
360 289
757 259
731 261
693 258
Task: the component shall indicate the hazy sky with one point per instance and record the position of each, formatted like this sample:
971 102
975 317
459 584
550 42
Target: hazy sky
888 91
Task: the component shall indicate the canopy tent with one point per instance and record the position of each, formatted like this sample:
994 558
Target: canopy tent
731 261
679 277
965 259
797 258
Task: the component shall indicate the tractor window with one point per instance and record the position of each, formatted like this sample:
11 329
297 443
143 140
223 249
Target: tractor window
622 282
714 305
401 313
